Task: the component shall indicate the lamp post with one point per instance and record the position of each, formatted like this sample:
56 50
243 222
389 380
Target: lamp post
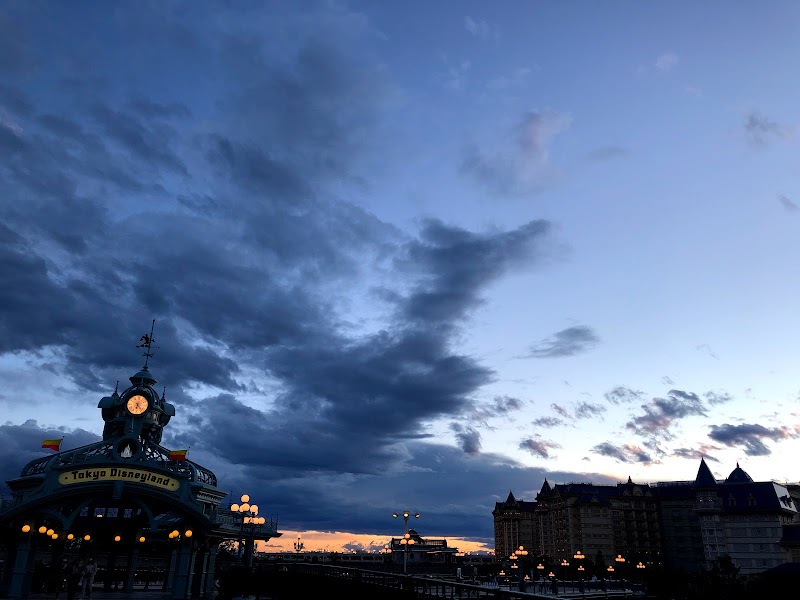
405 515
640 567
406 541
521 553
620 560
250 522
298 545
579 556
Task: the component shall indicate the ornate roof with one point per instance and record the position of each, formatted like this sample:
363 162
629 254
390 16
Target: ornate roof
739 475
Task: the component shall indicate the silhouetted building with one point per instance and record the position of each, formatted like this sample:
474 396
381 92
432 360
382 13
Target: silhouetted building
682 525
514 526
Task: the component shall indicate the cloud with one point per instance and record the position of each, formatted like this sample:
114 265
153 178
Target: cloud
717 398
548 422
455 77
704 451
506 404
666 62
538 446
750 437
481 29
760 130
567 342
521 165
706 349
625 453
588 410
661 413
787 203
468 438
280 304
623 394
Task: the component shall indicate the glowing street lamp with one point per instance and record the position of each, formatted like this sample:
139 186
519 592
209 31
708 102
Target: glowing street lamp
406 541
248 513
640 567
521 553
405 515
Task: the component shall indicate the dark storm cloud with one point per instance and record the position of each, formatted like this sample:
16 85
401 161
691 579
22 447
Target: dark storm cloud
454 264
750 437
661 413
626 453
468 439
20 444
566 342
622 394
227 220
147 140
538 446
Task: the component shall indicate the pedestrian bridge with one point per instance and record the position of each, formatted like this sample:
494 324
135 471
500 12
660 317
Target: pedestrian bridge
303 580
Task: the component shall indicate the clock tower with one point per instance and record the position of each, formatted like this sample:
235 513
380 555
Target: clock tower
135 419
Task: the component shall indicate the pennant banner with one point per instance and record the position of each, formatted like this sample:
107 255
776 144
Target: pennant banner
177 454
54 445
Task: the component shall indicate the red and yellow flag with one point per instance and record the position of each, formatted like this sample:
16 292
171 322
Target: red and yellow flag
177 454
54 445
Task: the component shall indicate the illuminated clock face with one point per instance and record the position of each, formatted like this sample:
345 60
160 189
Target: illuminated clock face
137 404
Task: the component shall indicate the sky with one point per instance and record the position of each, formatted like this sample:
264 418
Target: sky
406 255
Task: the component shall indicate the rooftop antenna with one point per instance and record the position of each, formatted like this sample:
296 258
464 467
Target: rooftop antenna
147 342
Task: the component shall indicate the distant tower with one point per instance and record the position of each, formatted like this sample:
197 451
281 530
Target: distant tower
136 417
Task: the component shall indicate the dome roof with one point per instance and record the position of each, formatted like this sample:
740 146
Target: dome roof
143 377
738 475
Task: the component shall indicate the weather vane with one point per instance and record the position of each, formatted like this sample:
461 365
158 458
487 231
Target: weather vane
147 342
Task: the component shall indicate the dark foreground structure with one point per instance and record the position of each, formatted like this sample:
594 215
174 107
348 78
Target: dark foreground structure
144 514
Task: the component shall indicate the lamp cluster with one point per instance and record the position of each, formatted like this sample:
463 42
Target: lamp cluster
174 534
53 535
248 511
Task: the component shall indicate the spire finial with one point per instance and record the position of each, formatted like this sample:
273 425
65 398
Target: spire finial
116 387
147 342
164 394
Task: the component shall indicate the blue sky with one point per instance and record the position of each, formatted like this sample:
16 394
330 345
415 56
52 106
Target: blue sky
406 256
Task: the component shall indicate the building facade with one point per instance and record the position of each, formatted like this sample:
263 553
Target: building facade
681 525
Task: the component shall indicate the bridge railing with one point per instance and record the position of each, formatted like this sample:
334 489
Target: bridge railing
411 586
